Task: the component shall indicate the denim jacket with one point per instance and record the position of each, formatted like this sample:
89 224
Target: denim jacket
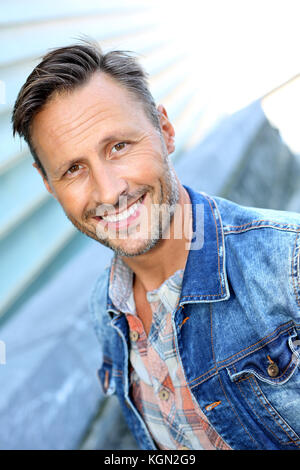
235 327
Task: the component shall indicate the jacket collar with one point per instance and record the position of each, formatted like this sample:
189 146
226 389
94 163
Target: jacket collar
205 278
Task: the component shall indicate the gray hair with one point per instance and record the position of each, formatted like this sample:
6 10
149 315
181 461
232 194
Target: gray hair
63 69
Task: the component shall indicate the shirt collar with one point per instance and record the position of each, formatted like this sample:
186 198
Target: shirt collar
121 292
120 285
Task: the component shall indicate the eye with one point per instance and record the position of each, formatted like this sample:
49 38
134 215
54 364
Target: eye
73 169
118 147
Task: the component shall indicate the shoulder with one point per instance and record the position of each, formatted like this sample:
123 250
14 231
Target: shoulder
249 231
262 250
98 303
99 290
237 218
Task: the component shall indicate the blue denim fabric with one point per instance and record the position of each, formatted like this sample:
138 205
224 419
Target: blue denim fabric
241 301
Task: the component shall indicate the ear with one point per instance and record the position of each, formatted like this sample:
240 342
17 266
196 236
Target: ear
167 129
46 182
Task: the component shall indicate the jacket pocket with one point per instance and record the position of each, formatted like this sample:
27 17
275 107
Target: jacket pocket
267 385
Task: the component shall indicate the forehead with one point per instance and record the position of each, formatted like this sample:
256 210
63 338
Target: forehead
101 105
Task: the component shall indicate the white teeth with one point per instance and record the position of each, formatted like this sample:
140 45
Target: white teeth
124 214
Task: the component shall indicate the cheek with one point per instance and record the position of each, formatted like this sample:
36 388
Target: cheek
74 198
144 165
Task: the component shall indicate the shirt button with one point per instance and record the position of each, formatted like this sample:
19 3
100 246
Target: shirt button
273 370
134 336
164 394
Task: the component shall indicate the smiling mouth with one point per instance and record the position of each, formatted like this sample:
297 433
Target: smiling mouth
128 214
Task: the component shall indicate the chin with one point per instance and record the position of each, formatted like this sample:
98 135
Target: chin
131 248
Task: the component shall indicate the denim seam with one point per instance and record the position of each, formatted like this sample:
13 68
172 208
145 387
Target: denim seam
254 411
295 270
288 326
200 296
232 232
117 373
273 417
221 383
276 417
215 369
269 224
285 374
230 404
107 360
217 236
94 308
224 277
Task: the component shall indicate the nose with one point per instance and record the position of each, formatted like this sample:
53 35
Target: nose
108 184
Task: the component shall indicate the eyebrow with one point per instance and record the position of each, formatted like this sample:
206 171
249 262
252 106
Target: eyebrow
69 163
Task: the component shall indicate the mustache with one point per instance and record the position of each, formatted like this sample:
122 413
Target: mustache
123 201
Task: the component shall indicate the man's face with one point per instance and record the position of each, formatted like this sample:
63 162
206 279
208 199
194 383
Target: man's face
108 165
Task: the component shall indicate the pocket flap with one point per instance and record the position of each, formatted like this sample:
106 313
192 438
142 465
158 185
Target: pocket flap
274 362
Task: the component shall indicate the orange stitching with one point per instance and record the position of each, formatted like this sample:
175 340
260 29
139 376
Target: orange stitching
117 373
236 414
258 416
250 379
212 405
242 378
215 372
260 341
213 369
106 380
276 417
187 318
107 360
220 362
285 370
230 363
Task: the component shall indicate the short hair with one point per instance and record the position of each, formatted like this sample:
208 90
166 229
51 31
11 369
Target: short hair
66 68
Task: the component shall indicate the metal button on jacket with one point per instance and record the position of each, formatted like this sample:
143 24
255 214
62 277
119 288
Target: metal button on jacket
273 370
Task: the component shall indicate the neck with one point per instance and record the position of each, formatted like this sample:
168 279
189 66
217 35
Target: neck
151 269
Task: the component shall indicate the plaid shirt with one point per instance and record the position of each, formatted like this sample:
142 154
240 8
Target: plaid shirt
159 388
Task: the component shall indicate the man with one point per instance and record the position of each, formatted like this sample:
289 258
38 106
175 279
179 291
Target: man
197 315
